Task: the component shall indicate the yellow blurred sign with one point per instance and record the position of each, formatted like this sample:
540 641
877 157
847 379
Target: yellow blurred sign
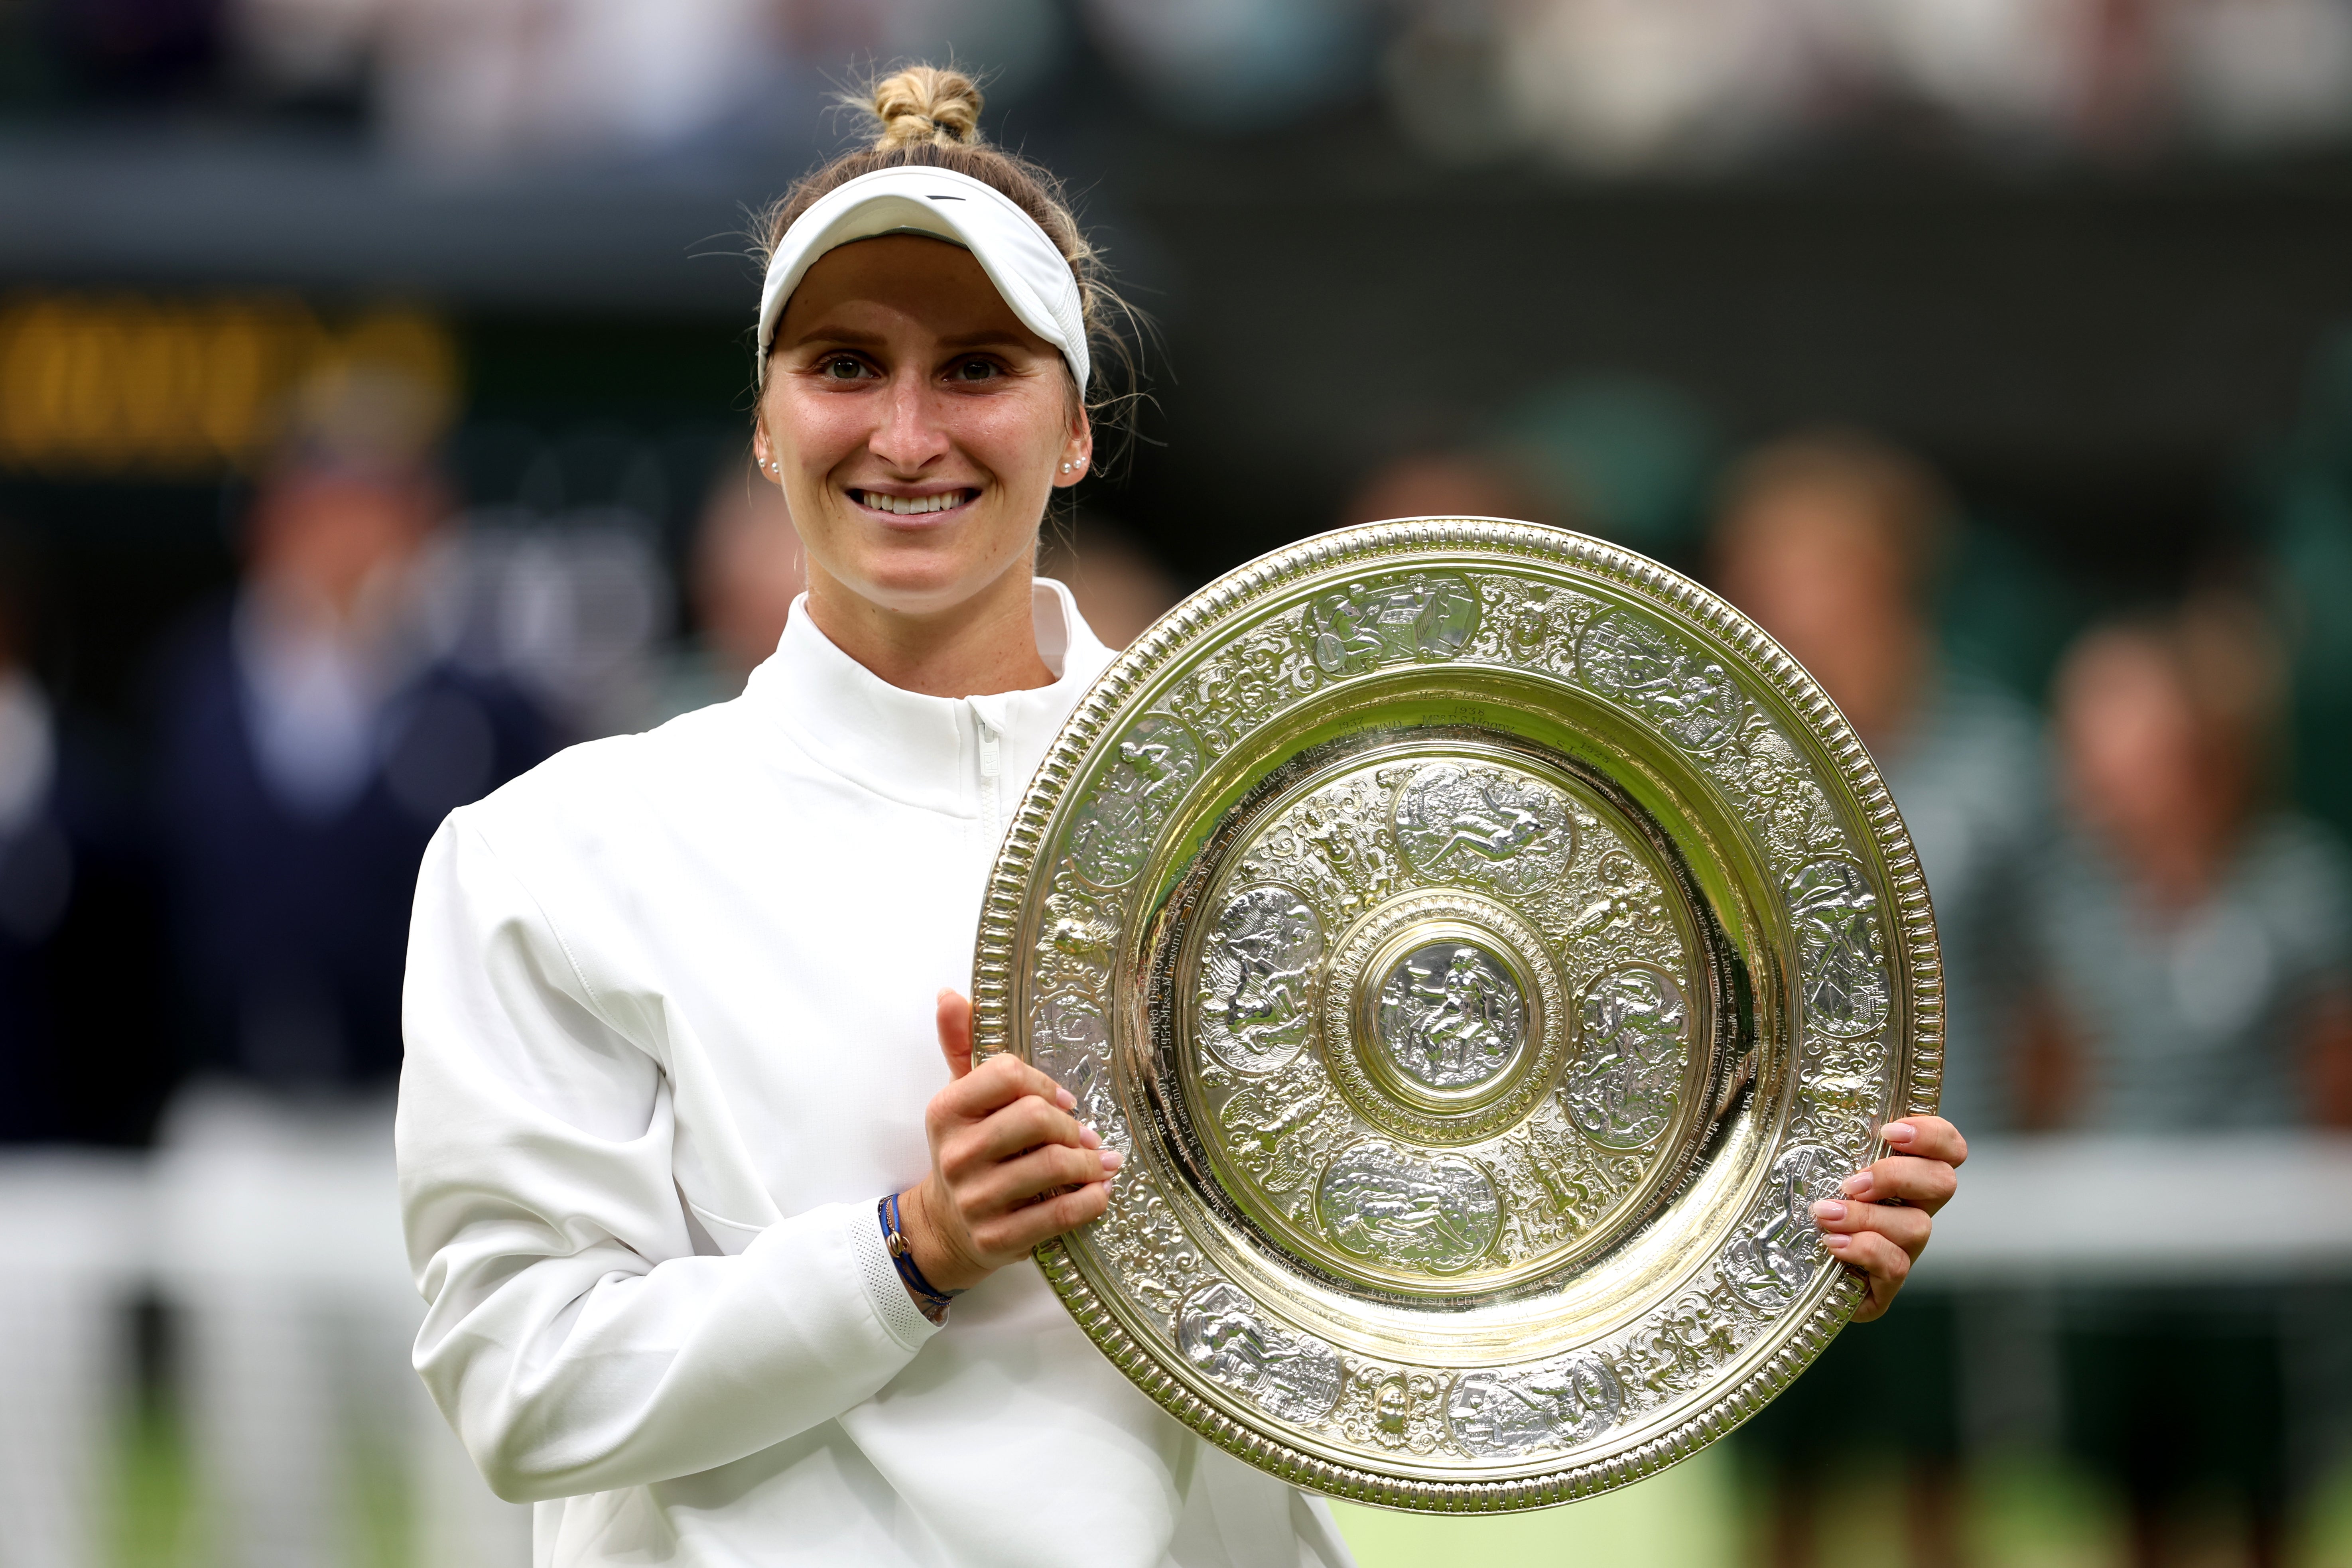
118 386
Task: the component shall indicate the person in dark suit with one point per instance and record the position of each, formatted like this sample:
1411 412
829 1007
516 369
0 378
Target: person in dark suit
310 738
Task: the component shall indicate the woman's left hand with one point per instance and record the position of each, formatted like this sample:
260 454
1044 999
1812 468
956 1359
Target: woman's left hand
1878 1224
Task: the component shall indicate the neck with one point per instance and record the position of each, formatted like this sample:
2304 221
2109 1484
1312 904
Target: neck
983 645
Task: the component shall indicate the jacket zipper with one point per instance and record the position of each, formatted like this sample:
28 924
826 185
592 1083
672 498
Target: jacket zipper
991 772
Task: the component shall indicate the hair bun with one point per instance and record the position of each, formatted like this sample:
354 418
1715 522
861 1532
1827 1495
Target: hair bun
924 104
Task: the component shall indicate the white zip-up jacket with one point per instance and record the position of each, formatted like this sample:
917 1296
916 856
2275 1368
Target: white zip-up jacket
670 1032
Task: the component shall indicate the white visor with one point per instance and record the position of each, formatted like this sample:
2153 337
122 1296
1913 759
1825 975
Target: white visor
1007 243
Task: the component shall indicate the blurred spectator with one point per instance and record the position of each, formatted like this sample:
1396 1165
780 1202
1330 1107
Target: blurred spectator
2200 932
1452 484
75 1072
1831 541
488 82
308 749
1120 587
744 573
2200 938
1622 86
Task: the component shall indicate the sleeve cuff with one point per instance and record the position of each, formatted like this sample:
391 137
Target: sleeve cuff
883 1287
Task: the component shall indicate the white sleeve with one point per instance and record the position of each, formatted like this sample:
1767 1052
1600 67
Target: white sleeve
573 1337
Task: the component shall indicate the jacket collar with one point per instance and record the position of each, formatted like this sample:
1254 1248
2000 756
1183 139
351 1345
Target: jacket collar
919 751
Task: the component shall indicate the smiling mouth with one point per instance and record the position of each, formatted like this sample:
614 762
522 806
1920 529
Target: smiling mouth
914 506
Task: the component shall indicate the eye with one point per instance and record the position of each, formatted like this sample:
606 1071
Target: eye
841 367
975 370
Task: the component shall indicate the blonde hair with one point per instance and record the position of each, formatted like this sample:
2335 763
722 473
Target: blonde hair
928 116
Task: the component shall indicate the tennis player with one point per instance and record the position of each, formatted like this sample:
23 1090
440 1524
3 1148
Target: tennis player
693 1158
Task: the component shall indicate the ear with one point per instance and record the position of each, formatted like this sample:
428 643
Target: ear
763 451
955 1033
1078 451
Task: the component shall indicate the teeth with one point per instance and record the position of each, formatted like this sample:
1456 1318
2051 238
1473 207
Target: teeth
910 506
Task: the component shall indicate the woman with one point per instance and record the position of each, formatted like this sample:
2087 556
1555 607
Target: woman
669 999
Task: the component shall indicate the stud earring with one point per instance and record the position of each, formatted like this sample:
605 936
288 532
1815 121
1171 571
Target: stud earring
1065 467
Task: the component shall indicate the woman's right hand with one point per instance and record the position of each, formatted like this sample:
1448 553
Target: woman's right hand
1001 1140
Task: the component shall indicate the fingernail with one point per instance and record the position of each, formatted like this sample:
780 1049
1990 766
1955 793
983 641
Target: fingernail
1836 1243
1088 1138
1068 1101
1112 1159
1898 1132
1829 1209
1857 1185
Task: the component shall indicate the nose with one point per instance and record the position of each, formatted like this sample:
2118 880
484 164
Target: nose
912 434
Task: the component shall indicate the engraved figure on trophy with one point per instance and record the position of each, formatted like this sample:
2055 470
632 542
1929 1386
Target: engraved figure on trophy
1436 1215
1836 915
1483 824
1626 1082
1768 1265
1254 1002
1283 1126
1290 1376
1343 829
1693 701
1367 624
1068 1043
1111 833
1498 1414
1449 1015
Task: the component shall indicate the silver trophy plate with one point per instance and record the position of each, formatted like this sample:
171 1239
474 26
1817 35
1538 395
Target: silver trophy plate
1485 944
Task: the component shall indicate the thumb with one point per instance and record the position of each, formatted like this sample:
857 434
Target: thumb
955 1032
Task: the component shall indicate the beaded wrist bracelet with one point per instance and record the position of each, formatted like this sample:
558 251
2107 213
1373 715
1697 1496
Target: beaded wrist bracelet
928 1297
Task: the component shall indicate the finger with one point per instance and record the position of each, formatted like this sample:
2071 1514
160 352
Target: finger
1018 1233
1000 1081
1883 1266
1926 1183
1928 1137
1906 1227
966 1152
955 1032
1010 1184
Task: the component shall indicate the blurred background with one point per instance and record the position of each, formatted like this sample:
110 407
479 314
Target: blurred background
373 412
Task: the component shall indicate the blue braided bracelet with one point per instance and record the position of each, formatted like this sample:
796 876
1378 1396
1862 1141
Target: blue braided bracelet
930 1298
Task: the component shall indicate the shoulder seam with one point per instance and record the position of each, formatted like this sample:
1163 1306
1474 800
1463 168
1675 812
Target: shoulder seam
587 988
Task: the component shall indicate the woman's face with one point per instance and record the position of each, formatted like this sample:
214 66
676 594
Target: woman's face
919 426
2136 760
